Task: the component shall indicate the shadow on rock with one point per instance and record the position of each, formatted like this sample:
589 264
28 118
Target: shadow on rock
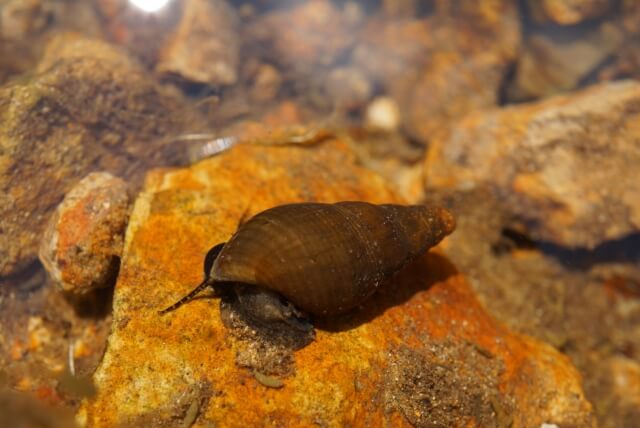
418 276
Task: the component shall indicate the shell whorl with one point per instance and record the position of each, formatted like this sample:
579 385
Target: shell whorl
328 258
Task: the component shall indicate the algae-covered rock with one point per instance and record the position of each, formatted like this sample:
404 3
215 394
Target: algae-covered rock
422 351
567 166
89 107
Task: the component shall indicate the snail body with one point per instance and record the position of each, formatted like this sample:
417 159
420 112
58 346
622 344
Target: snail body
325 259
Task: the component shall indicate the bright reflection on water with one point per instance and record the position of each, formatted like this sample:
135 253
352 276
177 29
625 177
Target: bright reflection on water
150 5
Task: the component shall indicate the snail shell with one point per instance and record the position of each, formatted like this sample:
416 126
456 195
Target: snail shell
325 258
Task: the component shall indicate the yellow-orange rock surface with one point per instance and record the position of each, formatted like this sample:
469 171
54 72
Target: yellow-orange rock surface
421 352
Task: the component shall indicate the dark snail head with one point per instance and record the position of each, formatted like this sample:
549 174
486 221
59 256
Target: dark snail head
324 259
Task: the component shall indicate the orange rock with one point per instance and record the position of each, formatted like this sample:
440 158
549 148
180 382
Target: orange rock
82 244
421 351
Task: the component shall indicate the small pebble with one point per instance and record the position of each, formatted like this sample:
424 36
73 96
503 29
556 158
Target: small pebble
83 241
383 113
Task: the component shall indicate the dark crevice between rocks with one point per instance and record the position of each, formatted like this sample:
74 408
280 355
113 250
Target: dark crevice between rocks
24 282
512 238
95 305
623 250
504 89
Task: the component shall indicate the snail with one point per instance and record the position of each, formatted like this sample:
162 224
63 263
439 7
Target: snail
318 259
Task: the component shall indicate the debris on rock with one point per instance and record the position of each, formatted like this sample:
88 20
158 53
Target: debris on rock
425 386
204 48
83 242
566 166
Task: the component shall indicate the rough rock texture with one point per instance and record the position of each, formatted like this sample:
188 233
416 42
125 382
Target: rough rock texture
204 46
421 351
567 166
584 303
443 66
83 241
568 12
89 108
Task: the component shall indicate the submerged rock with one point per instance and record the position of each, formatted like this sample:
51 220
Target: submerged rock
444 66
421 351
204 46
566 166
305 36
90 107
83 242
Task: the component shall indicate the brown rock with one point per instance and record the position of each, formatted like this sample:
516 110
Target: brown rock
348 88
385 364
89 108
584 302
204 46
82 245
310 34
266 83
444 66
568 12
27 25
625 385
566 165
388 50
400 8
626 60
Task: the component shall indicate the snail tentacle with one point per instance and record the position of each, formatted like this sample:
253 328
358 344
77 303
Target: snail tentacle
209 259
204 284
